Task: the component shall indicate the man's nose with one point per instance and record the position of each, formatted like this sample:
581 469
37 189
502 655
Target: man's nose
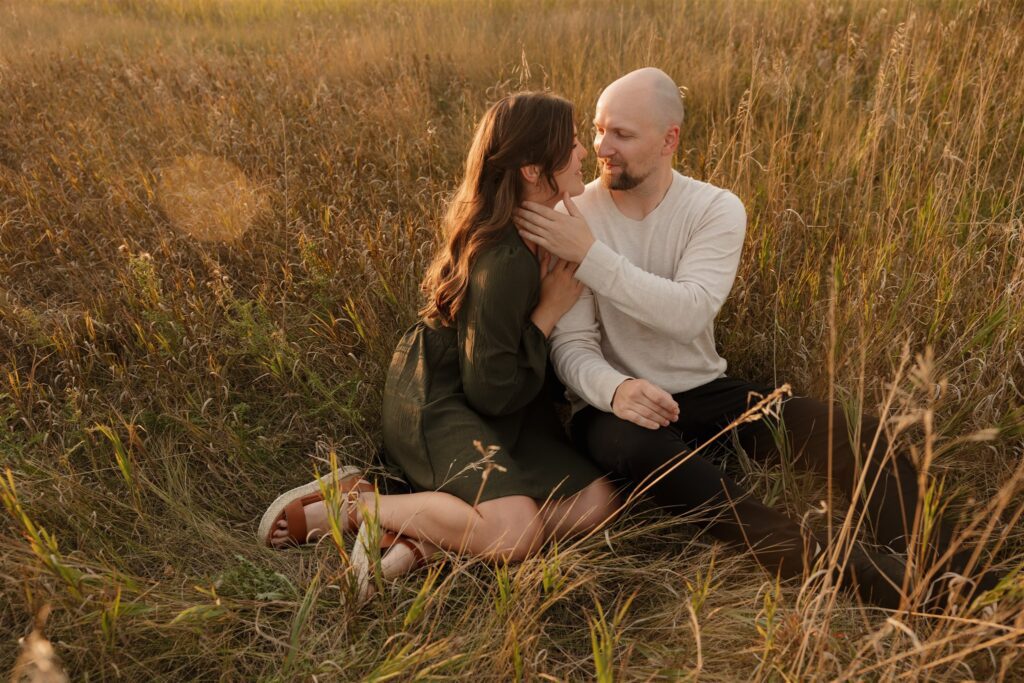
603 149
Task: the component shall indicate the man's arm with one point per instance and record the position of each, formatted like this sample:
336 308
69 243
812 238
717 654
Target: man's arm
687 304
577 357
580 364
681 307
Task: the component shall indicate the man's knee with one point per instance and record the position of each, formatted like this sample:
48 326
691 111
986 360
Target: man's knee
626 448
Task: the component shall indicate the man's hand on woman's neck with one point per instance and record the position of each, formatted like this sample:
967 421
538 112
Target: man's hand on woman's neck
540 195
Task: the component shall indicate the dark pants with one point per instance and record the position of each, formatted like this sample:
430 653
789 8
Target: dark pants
777 541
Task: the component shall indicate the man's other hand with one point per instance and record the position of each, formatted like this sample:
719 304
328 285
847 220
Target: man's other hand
645 404
567 236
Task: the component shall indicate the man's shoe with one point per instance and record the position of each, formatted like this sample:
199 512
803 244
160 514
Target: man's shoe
876 577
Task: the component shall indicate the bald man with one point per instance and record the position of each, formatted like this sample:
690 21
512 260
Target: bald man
658 253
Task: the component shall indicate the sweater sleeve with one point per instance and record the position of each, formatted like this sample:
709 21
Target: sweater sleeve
502 354
687 304
577 357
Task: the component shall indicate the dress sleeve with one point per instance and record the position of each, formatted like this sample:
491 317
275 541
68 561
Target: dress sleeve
502 354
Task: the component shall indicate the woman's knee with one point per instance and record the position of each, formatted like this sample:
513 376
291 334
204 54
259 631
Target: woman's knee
581 512
598 502
513 527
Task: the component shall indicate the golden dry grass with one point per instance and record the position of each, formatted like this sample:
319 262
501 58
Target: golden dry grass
159 388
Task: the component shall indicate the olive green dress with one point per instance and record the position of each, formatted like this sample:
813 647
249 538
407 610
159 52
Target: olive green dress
482 381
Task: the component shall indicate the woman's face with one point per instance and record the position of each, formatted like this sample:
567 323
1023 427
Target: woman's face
570 177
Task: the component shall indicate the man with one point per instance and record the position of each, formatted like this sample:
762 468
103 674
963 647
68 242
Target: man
658 253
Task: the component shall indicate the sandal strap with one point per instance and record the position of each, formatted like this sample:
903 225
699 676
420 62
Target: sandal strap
390 538
295 517
352 496
295 514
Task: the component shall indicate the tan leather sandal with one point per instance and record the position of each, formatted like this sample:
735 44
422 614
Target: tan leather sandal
290 505
361 563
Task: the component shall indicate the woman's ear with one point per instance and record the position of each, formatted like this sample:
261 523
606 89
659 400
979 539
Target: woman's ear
531 173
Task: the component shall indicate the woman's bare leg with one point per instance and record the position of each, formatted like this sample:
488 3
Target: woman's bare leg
508 528
560 518
579 513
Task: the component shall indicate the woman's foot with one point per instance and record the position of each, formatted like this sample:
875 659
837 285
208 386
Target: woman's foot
300 515
399 555
316 525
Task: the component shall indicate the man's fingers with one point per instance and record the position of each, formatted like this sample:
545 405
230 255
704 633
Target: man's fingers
570 206
652 412
637 418
660 397
533 238
657 411
527 224
535 217
531 219
539 209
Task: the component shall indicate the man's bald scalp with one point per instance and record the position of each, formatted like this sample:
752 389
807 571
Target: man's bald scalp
654 85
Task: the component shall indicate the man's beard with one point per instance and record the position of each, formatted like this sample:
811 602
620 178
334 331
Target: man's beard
624 181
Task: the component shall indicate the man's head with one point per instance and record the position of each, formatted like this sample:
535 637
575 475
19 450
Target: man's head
636 127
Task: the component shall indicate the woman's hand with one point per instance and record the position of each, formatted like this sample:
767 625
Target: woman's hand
559 290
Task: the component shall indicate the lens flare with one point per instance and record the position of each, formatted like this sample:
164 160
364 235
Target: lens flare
209 198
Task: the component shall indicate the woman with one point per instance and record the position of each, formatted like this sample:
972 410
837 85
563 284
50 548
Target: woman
464 414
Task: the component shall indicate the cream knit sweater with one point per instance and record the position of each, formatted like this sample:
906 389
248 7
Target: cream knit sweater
654 287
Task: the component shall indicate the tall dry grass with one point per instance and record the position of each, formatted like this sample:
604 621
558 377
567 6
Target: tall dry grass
160 387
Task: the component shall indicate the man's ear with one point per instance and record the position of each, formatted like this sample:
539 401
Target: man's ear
531 173
671 140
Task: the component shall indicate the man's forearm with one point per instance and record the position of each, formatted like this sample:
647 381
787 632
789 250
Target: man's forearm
684 303
587 374
681 310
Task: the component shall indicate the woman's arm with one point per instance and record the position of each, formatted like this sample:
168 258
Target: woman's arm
502 352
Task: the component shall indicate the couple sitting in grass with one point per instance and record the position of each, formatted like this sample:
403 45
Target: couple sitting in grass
619 290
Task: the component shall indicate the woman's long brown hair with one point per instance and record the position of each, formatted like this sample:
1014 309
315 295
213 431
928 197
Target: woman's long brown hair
519 130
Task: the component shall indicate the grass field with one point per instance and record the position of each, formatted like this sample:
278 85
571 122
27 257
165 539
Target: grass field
213 219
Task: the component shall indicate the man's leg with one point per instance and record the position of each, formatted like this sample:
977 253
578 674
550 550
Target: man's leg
888 496
642 455
777 542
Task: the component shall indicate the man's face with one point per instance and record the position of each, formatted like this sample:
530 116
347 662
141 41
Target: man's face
627 142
